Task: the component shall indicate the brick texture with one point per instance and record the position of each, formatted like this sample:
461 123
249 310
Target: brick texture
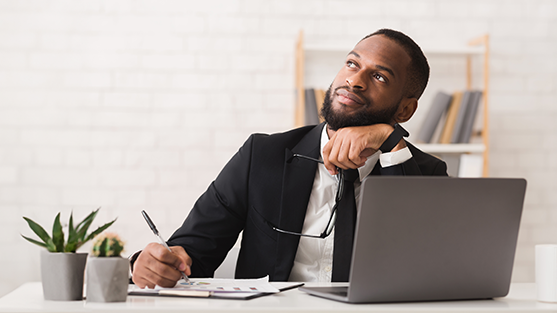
133 105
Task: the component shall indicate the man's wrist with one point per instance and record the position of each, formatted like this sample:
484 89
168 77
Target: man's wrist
395 140
401 145
133 258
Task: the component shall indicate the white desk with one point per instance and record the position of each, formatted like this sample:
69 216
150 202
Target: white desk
29 298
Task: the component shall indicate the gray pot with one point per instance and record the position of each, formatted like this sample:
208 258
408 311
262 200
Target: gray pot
62 275
107 279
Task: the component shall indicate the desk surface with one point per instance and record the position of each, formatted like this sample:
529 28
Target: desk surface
29 298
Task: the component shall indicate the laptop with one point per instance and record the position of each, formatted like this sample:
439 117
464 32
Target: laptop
432 238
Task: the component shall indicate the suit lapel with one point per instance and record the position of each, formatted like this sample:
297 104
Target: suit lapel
376 169
297 183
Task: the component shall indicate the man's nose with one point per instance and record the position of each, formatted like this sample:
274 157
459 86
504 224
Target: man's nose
356 81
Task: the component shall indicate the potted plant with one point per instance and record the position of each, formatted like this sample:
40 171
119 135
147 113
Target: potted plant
62 268
107 271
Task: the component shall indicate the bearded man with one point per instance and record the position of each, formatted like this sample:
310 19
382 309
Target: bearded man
288 192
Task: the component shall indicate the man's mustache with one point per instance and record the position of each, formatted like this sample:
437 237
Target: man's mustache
356 92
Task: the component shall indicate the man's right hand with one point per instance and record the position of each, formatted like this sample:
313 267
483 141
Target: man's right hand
155 265
349 147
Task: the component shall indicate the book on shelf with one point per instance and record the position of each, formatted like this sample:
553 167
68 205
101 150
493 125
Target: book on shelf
313 103
450 120
434 116
465 133
311 116
319 99
461 115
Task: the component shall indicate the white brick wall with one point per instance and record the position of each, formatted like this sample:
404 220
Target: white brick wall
133 105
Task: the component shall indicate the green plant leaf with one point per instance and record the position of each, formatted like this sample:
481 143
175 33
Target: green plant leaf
39 230
72 236
116 248
82 227
38 243
71 244
49 245
89 217
58 234
96 232
103 248
71 247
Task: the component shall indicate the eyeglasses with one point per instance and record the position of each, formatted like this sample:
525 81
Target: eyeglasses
333 218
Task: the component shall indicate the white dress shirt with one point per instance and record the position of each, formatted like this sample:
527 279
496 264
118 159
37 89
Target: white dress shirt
314 258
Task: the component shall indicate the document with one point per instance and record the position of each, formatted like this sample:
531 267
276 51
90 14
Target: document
217 288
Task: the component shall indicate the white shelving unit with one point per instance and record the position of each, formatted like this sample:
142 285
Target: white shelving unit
476 48
456 148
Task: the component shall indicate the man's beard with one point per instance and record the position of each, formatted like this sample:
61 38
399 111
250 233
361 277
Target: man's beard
337 120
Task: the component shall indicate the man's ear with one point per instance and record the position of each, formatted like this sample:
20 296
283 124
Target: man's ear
406 109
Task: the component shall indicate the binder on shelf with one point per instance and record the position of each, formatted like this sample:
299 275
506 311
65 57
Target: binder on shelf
319 99
459 122
438 107
311 116
452 113
470 117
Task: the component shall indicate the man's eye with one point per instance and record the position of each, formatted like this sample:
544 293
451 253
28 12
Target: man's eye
350 64
379 78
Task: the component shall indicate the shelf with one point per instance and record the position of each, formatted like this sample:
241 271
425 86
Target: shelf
455 51
457 148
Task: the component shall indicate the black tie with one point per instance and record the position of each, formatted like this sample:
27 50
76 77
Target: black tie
344 229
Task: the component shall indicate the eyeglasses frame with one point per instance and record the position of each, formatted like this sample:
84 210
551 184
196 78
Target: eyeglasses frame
332 220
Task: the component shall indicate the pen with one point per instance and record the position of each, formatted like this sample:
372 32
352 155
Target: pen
156 232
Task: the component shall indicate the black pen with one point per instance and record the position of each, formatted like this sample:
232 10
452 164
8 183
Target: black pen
156 232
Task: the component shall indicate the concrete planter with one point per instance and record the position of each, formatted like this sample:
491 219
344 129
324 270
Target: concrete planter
62 275
107 279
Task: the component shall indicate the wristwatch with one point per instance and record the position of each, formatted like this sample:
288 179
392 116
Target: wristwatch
393 139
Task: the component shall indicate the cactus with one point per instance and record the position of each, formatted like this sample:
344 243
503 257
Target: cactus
77 235
107 245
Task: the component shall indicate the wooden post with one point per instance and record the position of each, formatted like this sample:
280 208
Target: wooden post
484 40
300 100
468 72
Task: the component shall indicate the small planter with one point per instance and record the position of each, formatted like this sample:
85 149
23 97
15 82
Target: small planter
62 275
107 279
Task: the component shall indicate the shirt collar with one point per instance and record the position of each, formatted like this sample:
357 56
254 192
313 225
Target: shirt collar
364 170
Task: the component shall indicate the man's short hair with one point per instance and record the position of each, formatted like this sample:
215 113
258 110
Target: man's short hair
418 70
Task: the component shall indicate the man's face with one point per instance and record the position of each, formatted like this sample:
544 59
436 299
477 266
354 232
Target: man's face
369 87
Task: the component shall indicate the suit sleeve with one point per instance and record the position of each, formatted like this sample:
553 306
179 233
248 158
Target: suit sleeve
218 216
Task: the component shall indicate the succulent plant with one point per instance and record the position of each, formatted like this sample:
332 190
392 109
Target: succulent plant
107 245
77 235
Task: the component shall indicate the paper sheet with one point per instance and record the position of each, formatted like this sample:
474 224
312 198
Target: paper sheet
200 285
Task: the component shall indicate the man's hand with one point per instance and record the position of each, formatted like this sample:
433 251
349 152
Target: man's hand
158 266
349 147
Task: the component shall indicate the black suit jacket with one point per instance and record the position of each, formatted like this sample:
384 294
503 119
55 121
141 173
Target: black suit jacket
259 188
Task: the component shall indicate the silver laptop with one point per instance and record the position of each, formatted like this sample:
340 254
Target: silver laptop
432 238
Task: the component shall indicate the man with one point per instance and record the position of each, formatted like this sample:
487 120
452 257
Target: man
276 195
